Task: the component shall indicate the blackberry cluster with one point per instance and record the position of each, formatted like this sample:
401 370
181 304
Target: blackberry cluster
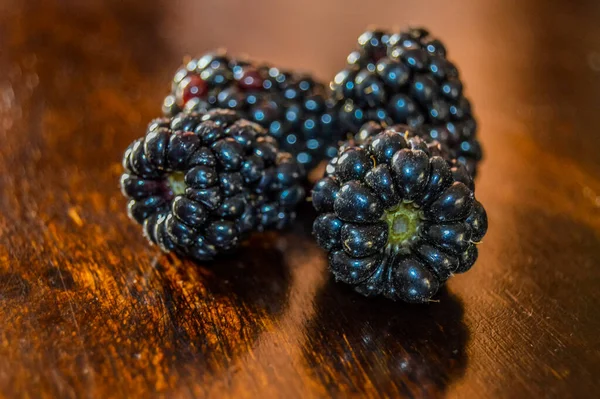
292 107
201 182
397 218
406 78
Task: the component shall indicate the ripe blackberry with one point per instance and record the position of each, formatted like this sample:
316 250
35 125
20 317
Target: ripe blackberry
397 218
199 183
292 107
406 78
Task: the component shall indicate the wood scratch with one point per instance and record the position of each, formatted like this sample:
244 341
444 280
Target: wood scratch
75 216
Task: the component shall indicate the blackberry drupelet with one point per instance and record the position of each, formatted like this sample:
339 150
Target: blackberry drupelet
406 78
397 218
199 183
292 107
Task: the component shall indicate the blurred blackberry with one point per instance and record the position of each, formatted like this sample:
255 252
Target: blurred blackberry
397 217
406 78
292 107
199 183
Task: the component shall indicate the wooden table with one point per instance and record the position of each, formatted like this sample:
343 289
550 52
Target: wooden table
88 309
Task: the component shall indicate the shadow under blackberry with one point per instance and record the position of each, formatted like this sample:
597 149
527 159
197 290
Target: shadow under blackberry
213 315
358 345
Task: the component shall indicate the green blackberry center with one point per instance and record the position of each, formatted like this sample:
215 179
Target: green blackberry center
177 183
403 221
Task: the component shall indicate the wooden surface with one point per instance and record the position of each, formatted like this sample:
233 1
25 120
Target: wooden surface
87 309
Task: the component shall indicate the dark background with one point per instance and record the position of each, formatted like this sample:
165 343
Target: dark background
87 309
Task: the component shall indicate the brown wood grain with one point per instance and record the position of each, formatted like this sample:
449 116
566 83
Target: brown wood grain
88 309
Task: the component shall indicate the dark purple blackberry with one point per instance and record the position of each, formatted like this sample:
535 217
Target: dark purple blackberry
292 107
199 183
406 78
396 216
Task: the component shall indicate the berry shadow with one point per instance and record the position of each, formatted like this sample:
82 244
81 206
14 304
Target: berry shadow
256 274
305 217
359 345
214 313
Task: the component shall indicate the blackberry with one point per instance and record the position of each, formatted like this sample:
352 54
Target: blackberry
397 216
293 107
406 78
199 183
